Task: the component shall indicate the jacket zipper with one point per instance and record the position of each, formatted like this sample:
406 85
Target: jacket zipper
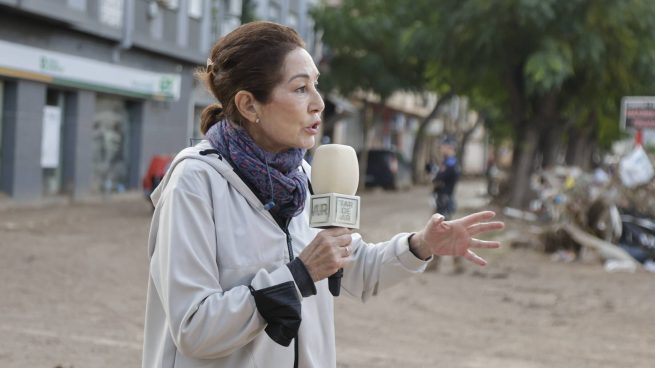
289 245
290 250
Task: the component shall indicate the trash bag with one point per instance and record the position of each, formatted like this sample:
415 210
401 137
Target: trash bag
638 236
635 168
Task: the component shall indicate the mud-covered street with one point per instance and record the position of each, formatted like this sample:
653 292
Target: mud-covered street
74 278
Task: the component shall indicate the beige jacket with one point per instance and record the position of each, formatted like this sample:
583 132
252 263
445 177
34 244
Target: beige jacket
211 238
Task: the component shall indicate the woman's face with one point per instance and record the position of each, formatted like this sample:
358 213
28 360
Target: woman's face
292 117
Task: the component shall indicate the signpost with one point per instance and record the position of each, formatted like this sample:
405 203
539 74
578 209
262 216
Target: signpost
638 113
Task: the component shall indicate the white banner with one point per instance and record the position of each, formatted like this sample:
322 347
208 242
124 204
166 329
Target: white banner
51 139
86 73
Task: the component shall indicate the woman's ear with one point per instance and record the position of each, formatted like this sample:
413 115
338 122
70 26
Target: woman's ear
247 105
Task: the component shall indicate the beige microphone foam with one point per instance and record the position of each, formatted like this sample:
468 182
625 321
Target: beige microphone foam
335 170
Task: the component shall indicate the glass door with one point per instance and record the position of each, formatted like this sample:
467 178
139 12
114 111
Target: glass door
111 151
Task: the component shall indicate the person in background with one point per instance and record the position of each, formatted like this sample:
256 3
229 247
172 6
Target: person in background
444 184
237 276
431 168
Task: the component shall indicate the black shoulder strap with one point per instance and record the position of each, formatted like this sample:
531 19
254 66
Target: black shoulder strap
211 151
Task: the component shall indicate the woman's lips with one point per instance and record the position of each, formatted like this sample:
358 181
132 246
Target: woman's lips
313 129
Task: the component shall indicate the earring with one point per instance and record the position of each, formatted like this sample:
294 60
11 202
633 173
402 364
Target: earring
257 121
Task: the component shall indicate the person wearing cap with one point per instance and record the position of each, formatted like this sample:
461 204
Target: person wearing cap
444 184
446 179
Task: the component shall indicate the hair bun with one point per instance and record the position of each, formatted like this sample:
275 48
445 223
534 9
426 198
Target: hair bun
210 116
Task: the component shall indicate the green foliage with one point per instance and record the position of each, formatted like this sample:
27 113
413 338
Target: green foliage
527 65
516 56
367 47
549 67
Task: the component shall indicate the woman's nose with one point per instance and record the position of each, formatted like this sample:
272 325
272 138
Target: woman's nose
317 105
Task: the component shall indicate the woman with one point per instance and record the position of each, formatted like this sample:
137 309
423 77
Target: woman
237 277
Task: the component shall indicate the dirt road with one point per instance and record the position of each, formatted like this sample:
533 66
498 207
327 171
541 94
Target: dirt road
74 277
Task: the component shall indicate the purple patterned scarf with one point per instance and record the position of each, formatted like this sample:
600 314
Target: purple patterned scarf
253 164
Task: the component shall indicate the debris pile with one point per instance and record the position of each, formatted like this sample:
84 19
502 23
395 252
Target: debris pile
607 213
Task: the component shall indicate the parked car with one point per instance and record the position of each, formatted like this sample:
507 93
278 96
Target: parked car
387 169
156 171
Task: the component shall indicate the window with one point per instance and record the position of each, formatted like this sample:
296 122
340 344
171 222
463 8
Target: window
111 13
195 8
228 16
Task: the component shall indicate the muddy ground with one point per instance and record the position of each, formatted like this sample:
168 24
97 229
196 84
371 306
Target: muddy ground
73 281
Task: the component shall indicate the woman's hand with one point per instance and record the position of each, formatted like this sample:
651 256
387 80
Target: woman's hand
327 253
455 238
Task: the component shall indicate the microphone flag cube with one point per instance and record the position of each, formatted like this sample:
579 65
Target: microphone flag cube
334 210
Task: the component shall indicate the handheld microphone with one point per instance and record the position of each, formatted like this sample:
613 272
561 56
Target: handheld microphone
335 176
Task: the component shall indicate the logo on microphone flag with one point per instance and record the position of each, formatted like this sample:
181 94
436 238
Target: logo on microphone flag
334 209
347 211
320 209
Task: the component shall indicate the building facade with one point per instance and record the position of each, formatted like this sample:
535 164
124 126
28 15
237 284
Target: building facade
90 90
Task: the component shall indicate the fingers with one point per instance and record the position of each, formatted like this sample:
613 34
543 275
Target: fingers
330 250
339 239
343 240
437 218
484 227
336 231
474 258
475 218
477 243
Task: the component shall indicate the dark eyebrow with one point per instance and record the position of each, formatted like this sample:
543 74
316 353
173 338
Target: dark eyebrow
301 75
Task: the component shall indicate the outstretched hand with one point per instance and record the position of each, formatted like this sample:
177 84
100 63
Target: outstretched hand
455 238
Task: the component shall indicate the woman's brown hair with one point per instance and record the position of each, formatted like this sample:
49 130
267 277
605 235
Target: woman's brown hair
250 58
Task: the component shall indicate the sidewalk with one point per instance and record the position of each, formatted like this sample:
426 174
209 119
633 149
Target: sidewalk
7 203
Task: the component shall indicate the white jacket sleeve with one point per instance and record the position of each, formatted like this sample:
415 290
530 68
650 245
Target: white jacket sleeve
205 321
378 266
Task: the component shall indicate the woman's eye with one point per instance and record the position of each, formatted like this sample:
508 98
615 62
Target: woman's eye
301 89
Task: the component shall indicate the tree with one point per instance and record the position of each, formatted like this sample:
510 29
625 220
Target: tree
547 64
384 46
367 51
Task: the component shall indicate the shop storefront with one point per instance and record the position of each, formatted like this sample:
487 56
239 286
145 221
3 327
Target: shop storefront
81 120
